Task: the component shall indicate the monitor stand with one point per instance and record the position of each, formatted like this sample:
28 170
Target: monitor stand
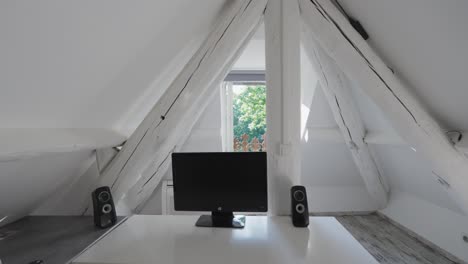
221 219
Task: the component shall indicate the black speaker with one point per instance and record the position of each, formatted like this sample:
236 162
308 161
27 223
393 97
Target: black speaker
104 210
299 208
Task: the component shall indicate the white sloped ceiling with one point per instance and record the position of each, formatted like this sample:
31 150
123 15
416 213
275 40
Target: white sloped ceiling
425 42
86 64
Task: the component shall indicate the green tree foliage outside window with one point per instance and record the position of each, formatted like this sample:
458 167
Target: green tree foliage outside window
249 112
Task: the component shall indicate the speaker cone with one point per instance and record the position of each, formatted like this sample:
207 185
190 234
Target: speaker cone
299 195
104 197
107 208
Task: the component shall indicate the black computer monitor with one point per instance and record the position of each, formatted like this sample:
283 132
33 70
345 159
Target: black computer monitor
221 182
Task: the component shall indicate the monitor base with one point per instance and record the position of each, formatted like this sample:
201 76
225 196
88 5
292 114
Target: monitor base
225 219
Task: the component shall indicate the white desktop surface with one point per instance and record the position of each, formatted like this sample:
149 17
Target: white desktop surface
175 240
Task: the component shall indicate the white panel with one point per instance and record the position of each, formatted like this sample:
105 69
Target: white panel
320 112
325 163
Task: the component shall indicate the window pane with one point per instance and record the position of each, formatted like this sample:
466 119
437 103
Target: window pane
249 117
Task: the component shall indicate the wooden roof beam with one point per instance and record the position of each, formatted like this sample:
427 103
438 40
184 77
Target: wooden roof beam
283 103
334 33
153 141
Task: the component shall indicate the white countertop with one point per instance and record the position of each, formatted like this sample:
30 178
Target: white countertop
176 240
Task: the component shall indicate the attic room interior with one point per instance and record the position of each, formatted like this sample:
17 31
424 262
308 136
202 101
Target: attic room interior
233 131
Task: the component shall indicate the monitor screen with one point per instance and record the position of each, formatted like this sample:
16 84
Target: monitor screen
223 181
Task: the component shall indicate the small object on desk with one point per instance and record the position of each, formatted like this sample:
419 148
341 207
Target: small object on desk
37 261
299 208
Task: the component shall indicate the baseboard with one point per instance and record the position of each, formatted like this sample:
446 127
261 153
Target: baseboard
335 214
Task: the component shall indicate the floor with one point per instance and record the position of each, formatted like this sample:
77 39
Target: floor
390 244
53 239
56 240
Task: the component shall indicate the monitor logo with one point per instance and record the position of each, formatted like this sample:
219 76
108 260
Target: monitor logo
220 208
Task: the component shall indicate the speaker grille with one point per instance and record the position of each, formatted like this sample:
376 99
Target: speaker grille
299 195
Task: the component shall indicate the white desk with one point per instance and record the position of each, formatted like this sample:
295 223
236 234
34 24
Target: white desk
176 240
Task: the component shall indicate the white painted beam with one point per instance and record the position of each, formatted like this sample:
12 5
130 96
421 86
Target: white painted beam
152 141
383 138
460 139
137 196
21 143
283 105
412 122
333 135
141 191
337 91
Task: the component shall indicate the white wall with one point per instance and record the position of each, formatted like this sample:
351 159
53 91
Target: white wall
418 201
253 57
86 64
410 173
206 134
28 182
74 196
